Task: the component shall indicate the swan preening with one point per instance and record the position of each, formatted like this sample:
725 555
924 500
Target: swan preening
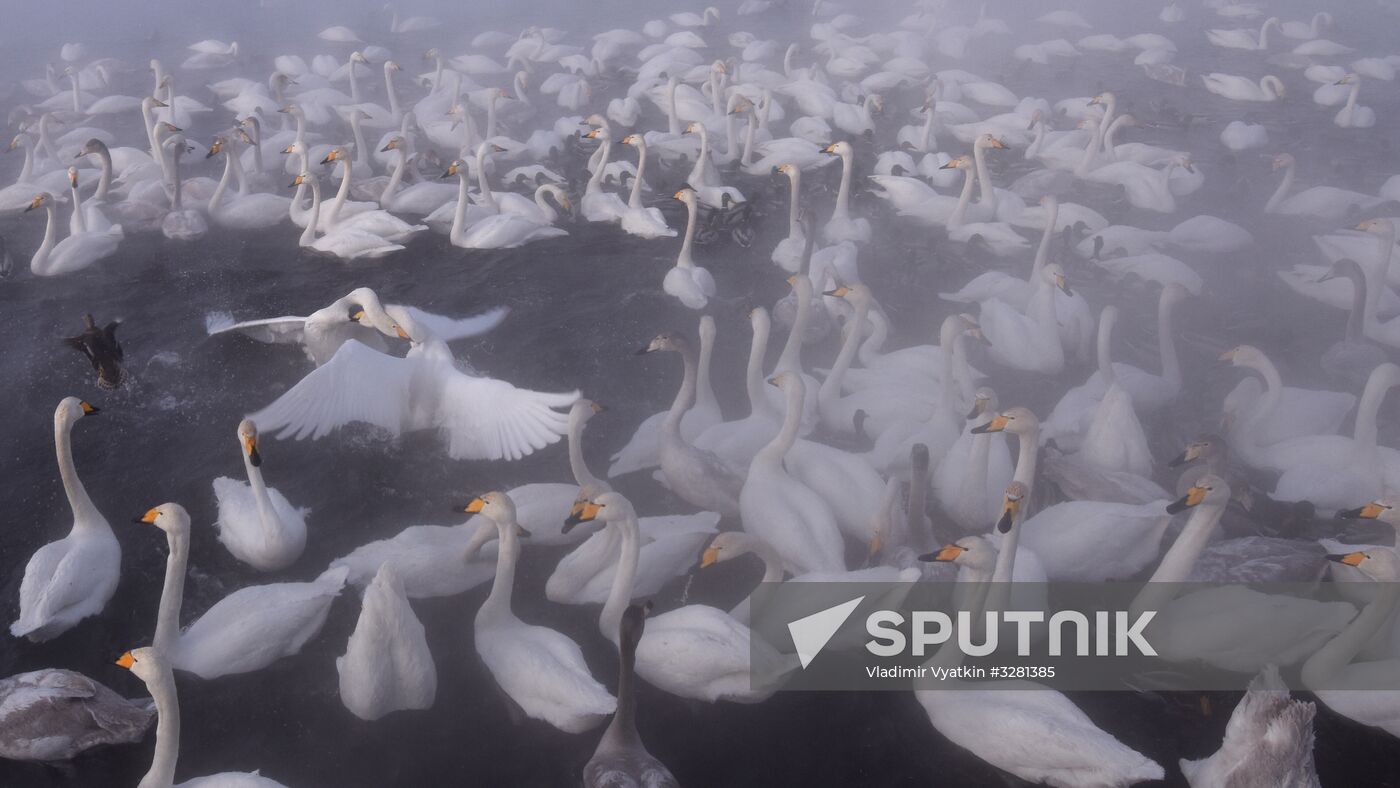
1027 307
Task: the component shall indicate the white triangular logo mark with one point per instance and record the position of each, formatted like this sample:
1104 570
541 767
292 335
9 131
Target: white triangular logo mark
810 634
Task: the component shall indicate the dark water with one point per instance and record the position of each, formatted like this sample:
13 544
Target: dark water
580 307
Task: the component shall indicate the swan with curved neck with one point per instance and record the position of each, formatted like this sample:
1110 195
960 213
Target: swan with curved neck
841 227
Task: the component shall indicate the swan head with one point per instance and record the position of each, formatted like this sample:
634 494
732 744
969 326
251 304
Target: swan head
957 163
40 200
685 195
248 441
608 507
856 294
391 66
168 517
302 178
73 177
1055 275
1204 447
983 400
1101 99
395 143
725 547
974 552
70 409
1347 79
1209 489
1185 163
1377 563
336 154
989 141
92 146
633 139
359 57
585 409
694 127
1380 226
841 148
217 146
1282 160
599 133
1036 117
144 663
1017 421
455 167
1244 356
666 341
1383 509
786 169
1012 502
495 506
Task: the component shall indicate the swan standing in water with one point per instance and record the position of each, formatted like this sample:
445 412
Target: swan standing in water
256 523
621 758
541 670
640 220
70 579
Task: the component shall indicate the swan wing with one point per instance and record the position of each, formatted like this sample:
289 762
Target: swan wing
357 384
486 418
289 330
450 329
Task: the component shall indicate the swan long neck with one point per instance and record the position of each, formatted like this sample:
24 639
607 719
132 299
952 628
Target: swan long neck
673 120
459 218
507 554
692 214
1360 315
85 514
1284 185
1042 252
1105 346
926 139
795 195
1110 136
308 235
358 132
843 193
26 171
577 465
984 178
791 358
1264 33
774 451
1027 457
172 594
595 182
395 179
393 94
753 373
104 181
219 190
622 733
1325 663
831 387
959 214
628 555
39 263
80 221
342 194
1166 341
483 184
746 157
267 516
1180 559
354 84
1350 109
685 397
634 200
167 752
1382 379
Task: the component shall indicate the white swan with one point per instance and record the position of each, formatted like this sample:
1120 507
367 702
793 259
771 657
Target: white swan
781 510
1352 116
689 283
1027 340
1355 689
73 253
480 417
695 651
1244 38
1269 736
841 226
640 220
70 579
1268 88
340 240
1115 440
596 204
256 523
253 211
387 666
419 199
1257 421
154 668
541 670
1325 203
1230 627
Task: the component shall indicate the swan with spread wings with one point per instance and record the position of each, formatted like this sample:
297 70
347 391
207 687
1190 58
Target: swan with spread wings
481 418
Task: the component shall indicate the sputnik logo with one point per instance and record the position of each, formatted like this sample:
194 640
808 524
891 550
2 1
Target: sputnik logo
810 634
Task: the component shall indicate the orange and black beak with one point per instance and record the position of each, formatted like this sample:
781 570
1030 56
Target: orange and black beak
126 660
474 506
1350 559
148 518
997 424
1193 497
948 553
583 511
250 445
1370 511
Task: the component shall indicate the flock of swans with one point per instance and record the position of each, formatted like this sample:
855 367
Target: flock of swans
1020 444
